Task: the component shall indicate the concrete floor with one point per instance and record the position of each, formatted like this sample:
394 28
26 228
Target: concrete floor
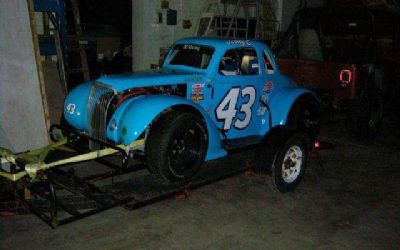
353 204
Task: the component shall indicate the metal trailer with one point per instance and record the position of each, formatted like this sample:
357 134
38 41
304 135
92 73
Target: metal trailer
46 184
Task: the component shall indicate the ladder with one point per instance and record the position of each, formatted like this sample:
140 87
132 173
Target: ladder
239 19
233 23
78 44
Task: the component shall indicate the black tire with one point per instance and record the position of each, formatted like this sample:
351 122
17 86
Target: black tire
267 149
65 126
365 115
165 118
287 172
176 147
56 134
305 116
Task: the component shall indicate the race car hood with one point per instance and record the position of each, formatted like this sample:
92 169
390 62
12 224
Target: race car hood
148 78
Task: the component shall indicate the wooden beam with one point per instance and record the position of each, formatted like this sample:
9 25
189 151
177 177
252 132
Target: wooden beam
39 65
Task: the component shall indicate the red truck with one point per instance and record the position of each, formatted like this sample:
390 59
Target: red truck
350 56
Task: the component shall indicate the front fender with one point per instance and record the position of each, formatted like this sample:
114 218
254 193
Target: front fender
134 115
282 102
75 106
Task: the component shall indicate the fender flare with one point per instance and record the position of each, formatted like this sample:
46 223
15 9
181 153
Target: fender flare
281 103
134 115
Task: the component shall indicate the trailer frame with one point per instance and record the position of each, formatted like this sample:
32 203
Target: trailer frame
43 174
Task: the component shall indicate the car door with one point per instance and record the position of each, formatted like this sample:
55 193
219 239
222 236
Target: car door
237 89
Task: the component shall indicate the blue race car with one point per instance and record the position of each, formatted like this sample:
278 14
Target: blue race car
209 97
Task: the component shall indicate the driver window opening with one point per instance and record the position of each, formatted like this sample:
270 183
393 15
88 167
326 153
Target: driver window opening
239 62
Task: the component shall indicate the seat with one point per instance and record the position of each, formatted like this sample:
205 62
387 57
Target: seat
249 65
309 46
228 67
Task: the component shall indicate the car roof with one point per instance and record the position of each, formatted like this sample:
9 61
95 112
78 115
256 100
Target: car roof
221 43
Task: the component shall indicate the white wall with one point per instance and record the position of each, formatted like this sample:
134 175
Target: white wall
148 36
22 123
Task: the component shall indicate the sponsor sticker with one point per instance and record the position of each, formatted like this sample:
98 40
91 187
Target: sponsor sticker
268 87
197 93
261 111
239 42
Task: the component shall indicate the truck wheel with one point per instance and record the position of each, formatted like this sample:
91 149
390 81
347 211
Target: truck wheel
365 115
289 163
176 149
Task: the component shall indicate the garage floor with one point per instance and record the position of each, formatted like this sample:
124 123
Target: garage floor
354 203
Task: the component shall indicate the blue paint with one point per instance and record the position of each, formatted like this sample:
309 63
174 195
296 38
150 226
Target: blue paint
206 90
79 97
137 113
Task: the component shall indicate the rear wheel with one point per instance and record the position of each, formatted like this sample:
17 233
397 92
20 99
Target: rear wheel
176 147
267 149
305 117
289 163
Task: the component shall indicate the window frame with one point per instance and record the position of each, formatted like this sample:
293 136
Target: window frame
171 56
266 55
236 51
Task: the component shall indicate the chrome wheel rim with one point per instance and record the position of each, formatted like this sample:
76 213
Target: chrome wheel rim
291 164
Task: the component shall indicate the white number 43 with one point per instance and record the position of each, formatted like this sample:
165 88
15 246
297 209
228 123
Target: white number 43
227 111
71 108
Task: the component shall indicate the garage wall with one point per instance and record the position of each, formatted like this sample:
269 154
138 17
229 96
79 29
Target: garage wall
22 122
148 35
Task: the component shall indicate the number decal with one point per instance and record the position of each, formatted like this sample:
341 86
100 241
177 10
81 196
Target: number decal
71 108
227 111
246 107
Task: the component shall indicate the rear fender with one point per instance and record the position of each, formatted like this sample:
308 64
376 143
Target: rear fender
133 116
281 104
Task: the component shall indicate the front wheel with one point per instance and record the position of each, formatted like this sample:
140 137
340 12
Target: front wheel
176 147
289 163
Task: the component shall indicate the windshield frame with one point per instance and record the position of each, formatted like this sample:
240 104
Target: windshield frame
168 65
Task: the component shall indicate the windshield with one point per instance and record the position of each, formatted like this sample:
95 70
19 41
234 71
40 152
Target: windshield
347 39
190 55
334 38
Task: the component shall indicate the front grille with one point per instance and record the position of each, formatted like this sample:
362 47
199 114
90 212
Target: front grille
99 101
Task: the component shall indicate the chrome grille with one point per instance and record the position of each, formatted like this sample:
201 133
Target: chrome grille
100 98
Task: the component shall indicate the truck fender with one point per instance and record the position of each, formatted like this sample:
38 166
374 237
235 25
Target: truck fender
133 116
